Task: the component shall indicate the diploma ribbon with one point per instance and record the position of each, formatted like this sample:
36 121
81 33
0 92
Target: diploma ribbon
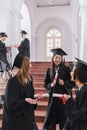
55 78
63 100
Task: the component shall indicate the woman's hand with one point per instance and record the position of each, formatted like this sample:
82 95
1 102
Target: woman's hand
39 96
53 84
61 82
31 101
16 45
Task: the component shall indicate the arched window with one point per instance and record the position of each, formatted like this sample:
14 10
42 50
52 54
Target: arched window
53 40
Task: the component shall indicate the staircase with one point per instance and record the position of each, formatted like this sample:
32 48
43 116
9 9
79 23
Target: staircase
38 71
3 83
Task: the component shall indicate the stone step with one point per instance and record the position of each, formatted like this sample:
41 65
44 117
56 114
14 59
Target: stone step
41 73
40 85
40 90
38 69
42 105
2 86
40 64
38 82
40 115
40 125
38 74
38 78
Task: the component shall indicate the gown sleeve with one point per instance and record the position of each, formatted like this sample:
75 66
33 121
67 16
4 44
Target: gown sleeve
24 45
15 103
47 81
78 111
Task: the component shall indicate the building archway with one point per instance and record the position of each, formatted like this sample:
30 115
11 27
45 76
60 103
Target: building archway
41 31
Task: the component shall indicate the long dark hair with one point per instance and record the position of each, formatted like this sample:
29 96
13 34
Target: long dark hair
81 75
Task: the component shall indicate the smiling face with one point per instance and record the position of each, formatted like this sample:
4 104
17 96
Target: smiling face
57 59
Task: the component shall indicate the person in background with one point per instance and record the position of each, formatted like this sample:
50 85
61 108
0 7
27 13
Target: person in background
77 116
24 47
57 80
4 64
19 102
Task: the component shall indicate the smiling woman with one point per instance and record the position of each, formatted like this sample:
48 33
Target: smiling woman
57 80
19 103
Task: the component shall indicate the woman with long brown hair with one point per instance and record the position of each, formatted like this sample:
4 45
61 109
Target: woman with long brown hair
19 102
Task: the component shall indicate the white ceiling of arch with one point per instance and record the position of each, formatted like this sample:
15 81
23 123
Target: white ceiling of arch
48 3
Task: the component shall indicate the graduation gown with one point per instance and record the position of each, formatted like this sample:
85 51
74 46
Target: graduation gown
18 113
4 65
77 117
24 47
56 109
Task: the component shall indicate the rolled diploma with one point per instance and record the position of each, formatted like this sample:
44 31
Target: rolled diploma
57 95
47 95
43 95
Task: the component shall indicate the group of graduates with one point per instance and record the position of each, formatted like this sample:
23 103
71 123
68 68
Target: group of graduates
4 64
23 49
68 112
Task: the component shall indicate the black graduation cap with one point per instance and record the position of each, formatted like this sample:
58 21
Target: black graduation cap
23 32
58 51
2 34
81 64
18 61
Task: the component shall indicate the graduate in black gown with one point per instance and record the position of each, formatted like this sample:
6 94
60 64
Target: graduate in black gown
77 115
19 103
57 80
24 47
4 64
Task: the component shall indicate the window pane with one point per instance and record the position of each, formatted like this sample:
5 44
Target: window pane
59 45
53 41
58 34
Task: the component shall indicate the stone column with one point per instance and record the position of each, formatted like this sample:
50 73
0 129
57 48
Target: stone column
14 25
85 32
83 15
14 31
4 11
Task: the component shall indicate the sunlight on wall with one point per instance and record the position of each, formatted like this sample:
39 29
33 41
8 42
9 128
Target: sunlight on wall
25 20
